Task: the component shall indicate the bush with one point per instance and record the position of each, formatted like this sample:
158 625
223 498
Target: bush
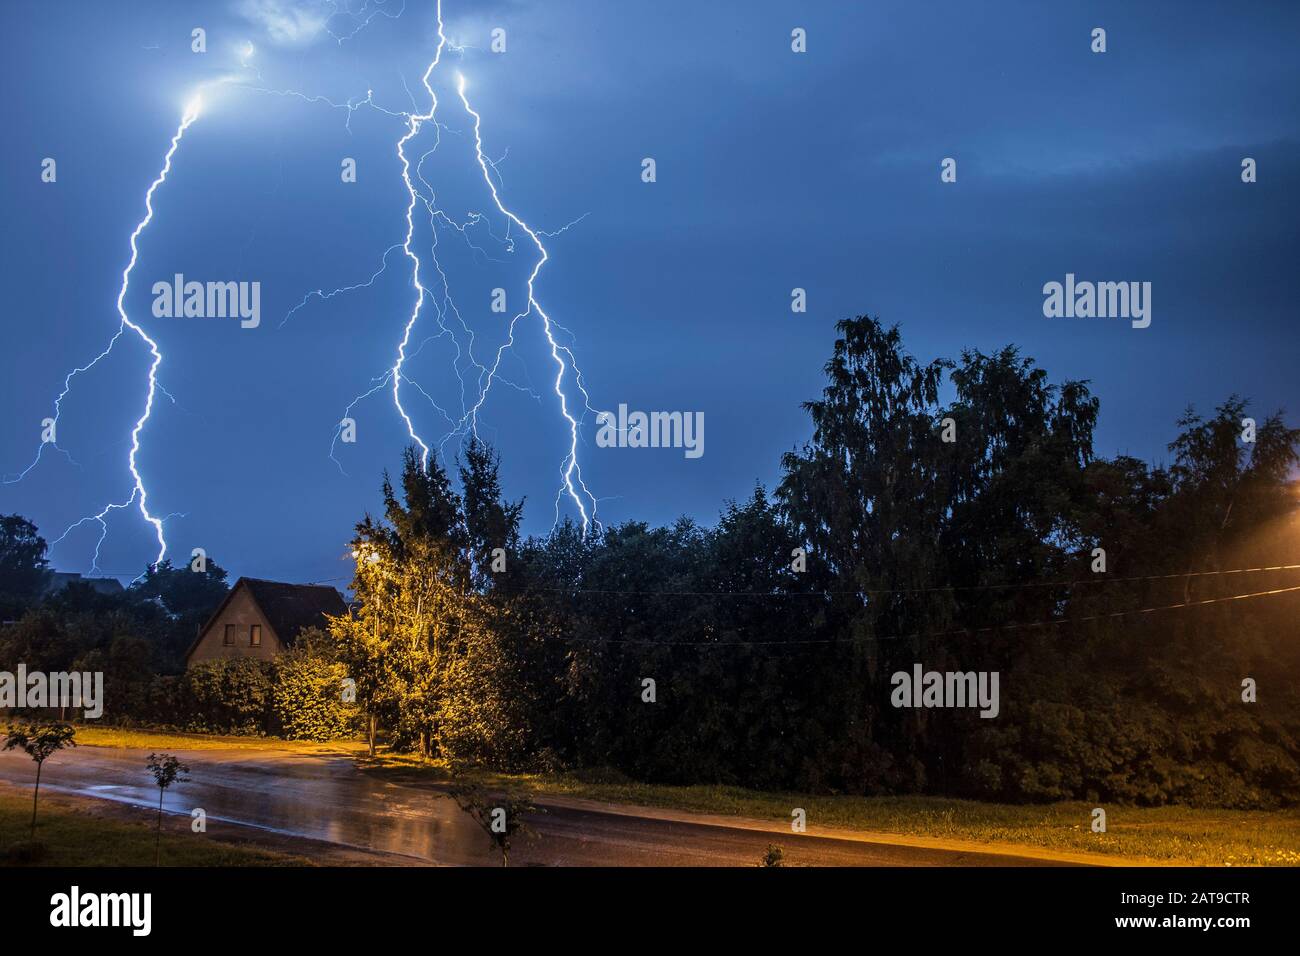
298 695
227 697
307 696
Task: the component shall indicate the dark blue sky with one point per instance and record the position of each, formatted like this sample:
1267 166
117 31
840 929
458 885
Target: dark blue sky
775 170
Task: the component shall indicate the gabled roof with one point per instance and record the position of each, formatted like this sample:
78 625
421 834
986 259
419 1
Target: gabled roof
288 608
291 607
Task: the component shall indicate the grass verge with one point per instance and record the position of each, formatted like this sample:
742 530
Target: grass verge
74 837
1161 835
89 735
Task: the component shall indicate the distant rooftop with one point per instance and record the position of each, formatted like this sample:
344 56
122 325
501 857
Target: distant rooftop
59 580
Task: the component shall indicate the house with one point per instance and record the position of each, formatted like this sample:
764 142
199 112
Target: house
261 619
58 580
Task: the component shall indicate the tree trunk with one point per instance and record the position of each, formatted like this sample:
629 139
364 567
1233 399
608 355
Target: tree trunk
158 833
35 794
371 726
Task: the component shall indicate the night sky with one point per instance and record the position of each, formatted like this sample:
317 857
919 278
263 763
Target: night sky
775 170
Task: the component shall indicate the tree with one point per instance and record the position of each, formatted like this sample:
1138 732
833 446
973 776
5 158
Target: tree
187 596
420 584
77 628
39 741
866 496
429 509
166 770
407 612
184 591
23 573
501 818
1227 490
361 638
774 856
490 522
427 647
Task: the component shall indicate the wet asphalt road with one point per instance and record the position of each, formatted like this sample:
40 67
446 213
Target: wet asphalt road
325 797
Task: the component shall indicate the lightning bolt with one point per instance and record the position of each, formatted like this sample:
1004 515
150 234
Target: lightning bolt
139 494
574 400
415 121
377 12
571 480
567 370
447 304
570 470
323 295
395 375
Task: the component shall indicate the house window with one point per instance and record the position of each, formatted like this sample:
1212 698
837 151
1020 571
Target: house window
229 639
255 635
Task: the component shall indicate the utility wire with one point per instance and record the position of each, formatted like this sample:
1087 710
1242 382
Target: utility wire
951 633
1077 582
1098 579
966 587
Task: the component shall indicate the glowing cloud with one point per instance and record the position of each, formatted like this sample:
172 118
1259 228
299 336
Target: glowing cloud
286 23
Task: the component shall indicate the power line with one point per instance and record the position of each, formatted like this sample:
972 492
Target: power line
950 633
955 587
1077 582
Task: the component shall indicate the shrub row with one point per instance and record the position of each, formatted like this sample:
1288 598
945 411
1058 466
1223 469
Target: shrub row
297 696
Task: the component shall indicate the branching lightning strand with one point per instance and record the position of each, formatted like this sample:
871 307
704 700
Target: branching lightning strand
139 494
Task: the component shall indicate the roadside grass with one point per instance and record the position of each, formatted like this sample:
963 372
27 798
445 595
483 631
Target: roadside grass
1161 835
146 739
74 837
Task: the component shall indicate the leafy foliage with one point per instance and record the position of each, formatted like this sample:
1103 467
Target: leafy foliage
307 693
228 696
22 566
166 770
40 742
435 659
501 817
189 597
130 636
